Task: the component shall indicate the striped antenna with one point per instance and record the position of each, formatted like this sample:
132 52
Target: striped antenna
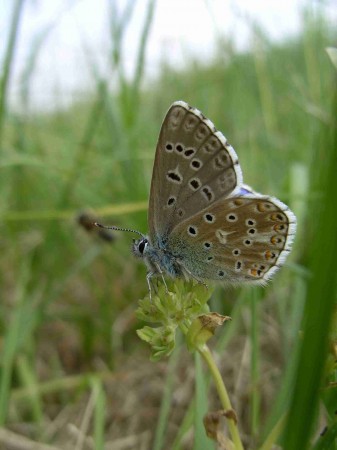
118 229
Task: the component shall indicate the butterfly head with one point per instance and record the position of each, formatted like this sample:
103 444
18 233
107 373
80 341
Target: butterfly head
140 247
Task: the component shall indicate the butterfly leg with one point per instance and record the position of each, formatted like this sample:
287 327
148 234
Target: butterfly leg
162 276
148 280
194 277
166 288
155 285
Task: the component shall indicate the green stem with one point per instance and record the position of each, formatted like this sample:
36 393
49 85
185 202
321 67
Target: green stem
274 435
221 388
254 365
8 61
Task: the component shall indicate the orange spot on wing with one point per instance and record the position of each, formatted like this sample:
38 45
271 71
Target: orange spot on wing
238 202
278 217
275 240
279 227
269 255
260 207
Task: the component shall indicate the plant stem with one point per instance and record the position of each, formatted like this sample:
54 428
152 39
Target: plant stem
8 61
221 388
274 435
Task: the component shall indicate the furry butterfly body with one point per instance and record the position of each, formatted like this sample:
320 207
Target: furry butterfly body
203 222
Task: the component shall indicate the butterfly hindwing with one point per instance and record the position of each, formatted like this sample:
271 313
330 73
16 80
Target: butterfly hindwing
238 239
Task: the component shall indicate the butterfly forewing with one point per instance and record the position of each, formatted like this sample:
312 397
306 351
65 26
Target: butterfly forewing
244 238
194 168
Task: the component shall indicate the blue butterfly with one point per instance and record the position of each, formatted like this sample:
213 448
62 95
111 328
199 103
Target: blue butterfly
204 224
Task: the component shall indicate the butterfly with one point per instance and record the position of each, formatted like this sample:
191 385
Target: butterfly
204 223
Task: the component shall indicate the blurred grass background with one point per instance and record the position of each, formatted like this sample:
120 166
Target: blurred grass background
73 373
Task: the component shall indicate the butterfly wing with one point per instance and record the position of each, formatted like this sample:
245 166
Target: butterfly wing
194 167
238 239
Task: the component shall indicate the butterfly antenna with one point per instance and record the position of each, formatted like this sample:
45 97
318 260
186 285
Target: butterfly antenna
117 229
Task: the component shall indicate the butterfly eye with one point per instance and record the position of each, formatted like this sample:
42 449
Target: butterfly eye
139 247
142 245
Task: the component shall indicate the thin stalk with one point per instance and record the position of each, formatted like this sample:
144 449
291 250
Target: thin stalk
142 47
222 391
100 406
265 90
165 406
11 344
8 61
321 293
81 153
29 380
254 366
56 214
274 435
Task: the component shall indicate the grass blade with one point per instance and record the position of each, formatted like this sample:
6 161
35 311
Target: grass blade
320 302
8 62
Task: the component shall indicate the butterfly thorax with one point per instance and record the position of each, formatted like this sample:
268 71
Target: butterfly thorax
157 259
